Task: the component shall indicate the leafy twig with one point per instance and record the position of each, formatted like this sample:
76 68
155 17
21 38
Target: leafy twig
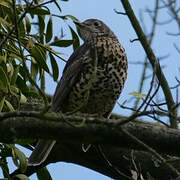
23 60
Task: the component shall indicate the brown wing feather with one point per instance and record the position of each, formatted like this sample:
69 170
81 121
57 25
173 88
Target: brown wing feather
70 74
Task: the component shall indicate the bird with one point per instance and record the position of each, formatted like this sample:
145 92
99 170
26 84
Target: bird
92 79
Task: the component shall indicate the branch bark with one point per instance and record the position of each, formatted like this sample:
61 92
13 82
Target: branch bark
120 163
113 153
93 130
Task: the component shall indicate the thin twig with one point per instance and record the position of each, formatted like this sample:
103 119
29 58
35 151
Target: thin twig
111 165
145 66
138 141
154 62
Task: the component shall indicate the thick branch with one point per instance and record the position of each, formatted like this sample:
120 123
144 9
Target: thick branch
120 161
119 157
88 130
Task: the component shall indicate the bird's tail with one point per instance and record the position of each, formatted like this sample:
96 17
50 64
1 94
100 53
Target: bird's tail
41 152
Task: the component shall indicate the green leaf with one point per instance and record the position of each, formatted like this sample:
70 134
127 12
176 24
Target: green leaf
22 28
13 89
15 75
4 24
38 11
62 43
9 105
49 30
14 51
3 58
19 159
34 70
21 84
27 24
43 174
5 168
23 99
41 26
6 3
2 103
6 151
75 37
54 66
10 70
40 56
73 18
4 80
20 177
138 95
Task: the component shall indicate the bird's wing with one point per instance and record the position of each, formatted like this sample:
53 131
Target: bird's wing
70 75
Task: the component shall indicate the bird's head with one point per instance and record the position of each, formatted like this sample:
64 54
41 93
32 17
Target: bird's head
91 28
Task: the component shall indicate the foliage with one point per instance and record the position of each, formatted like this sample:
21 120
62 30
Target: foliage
27 52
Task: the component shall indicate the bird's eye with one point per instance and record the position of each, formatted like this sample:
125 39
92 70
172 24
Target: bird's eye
96 24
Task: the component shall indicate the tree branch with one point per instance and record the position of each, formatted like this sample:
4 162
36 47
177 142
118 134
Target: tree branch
154 62
122 159
85 129
73 130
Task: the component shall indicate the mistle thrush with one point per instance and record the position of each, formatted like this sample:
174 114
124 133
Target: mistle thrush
92 79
